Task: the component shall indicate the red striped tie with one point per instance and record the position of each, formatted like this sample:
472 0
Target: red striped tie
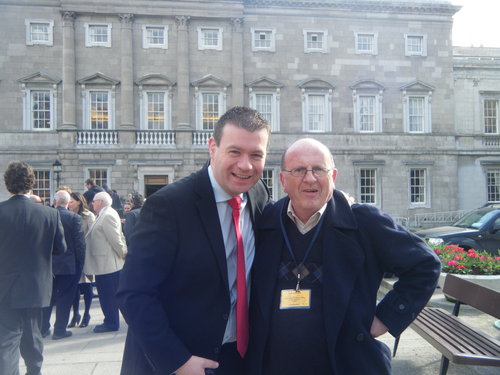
241 283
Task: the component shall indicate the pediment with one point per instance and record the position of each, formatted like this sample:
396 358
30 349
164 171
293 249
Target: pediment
367 84
264 82
98 79
315 83
417 86
39 78
154 80
210 81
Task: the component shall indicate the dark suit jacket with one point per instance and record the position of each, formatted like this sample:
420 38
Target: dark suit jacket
131 219
360 244
72 260
29 235
173 290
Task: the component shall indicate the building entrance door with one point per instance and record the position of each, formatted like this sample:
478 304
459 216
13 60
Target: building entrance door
153 183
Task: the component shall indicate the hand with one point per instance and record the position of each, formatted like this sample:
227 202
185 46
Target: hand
378 328
196 366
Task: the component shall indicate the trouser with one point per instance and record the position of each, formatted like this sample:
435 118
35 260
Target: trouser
107 285
20 335
63 293
86 290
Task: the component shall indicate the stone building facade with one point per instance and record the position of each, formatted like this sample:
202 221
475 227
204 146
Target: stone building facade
127 92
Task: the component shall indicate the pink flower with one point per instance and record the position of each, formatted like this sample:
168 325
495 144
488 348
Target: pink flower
452 263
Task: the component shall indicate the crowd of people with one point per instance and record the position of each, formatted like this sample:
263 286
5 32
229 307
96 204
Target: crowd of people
210 275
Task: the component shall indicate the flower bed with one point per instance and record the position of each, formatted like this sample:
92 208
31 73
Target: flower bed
457 260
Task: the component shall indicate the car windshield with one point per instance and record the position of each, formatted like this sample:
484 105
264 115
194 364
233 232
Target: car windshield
475 219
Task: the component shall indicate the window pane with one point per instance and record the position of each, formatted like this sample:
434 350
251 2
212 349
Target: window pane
417 186
210 110
39 32
493 183
315 40
100 176
42 185
262 39
416 114
156 110
40 109
211 37
99 115
367 183
365 42
414 44
267 176
264 105
491 116
367 113
98 33
316 113
155 35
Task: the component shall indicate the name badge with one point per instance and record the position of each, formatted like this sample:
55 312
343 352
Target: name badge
293 299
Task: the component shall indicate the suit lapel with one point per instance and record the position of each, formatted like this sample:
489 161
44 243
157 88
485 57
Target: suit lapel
209 218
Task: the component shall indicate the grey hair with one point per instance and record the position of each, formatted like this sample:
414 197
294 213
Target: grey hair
105 197
62 197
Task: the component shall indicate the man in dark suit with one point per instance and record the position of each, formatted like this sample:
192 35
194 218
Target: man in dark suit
67 269
178 288
318 265
29 235
92 189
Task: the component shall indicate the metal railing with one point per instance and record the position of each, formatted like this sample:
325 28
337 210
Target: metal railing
437 218
97 137
155 138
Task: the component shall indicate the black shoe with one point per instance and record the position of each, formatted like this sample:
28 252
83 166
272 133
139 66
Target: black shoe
45 333
101 328
58 336
85 321
74 321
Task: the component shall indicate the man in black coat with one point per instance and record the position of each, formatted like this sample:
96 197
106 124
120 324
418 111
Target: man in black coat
178 289
67 269
132 217
92 189
29 235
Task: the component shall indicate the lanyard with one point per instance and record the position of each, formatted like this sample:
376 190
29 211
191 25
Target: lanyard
289 246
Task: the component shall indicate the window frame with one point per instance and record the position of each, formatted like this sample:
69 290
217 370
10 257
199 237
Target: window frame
98 181
426 186
146 44
200 103
50 32
496 100
373 51
307 94
275 106
274 178
423 38
89 42
489 186
167 105
47 191
87 122
376 187
377 111
426 116
324 43
28 113
272 40
201 39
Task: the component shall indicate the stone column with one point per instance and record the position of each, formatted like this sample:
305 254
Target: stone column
127 72
182 72
237 62
68 71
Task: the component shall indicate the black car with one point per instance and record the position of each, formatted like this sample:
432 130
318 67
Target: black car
478 229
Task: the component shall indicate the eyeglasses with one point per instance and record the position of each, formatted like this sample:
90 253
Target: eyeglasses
301 172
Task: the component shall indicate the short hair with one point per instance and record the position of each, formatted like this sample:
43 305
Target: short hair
137 200
80 198
105 197
61 197
19 177
242 117
90 181
64 187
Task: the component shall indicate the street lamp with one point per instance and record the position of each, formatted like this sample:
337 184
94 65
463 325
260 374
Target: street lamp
57 167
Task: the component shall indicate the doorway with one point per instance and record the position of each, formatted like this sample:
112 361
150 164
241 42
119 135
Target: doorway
152 183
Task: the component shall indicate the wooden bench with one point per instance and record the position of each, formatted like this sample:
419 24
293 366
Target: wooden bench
458 342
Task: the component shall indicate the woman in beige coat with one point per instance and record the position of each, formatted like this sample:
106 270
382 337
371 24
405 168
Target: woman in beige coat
104 258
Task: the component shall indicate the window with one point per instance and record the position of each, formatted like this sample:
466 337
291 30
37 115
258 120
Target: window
315 41
368 113
210 38
317 113
415 45
417 109
268 175
210 106
263 40
42 184
156 110
366 43
98 34
266 103
154 36
368 185
491 116
39 112
39 32
99 110
99 175
418 187
493 185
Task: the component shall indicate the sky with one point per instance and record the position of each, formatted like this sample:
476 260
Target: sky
477 23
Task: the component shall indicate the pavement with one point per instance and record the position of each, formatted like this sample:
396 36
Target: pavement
89 353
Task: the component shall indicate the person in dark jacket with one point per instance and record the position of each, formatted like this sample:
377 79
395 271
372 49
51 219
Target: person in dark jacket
67 269
92 189
29 235
132 216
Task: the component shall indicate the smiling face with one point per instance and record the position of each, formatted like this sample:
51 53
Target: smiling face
238 161
309 193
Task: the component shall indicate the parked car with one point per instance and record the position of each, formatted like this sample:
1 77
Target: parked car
478 229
